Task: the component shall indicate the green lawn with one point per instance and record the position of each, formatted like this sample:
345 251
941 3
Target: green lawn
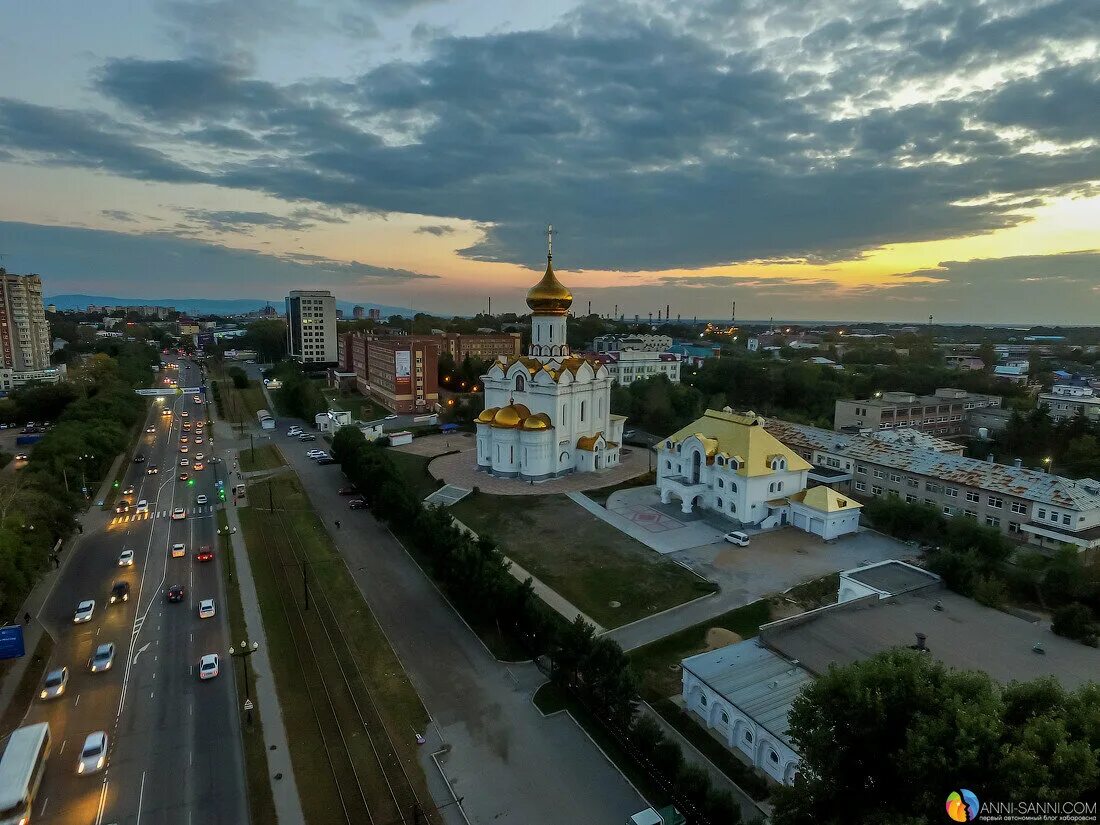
260 802
241 406
414 469
266 457
360 407
657 664
584 559
382 672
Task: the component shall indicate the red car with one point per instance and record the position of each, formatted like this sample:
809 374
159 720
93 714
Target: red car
205 554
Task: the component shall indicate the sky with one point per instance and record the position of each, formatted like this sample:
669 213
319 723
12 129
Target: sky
841 159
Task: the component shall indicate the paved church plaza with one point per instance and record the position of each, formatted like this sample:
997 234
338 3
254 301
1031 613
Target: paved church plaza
460 469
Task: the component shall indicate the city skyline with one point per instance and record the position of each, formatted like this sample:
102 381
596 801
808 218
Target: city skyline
851 161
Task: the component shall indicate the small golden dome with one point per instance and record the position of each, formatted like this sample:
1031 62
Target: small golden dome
486 416
510 416
539 421
549 296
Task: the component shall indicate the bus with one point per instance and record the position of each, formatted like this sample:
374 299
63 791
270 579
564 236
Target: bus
21 770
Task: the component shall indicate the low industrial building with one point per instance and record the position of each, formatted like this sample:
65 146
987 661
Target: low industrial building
1067 400
944 413
742 693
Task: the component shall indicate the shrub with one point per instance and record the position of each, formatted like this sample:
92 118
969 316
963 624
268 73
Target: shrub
1074 621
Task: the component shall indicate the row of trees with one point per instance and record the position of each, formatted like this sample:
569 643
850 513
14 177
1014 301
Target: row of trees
980 562
885 739
299 396
1072 444
38 504
474 575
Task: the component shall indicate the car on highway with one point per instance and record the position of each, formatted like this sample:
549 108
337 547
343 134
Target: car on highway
179 514
123 506
198 439
139 458
184 476
205 553
201 499
199 466
151 429
120 592
315 453
199 456
93 756
55 683
129 491
183 448
186 426
357 504
142 506
209 666
103 658
151 470
126 558
179 550
175 593
206 609
21 456
166 412
84 611
184 414
737 537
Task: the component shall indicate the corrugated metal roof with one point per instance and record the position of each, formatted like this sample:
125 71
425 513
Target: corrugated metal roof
756 680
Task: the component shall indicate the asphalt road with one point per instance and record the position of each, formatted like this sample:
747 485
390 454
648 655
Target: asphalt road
175 754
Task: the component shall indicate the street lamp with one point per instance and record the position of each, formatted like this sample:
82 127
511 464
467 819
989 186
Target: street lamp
243 653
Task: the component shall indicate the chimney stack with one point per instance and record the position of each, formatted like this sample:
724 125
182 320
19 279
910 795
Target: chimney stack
1017 462
989 458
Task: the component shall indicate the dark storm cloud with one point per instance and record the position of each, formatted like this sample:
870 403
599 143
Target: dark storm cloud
128 263
695 135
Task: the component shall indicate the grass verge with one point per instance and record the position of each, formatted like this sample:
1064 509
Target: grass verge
657 664
360 407
28 684
738 771
266 457
583 558
239 407
261 804
383 676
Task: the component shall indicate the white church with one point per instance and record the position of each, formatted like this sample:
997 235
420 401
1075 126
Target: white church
547 414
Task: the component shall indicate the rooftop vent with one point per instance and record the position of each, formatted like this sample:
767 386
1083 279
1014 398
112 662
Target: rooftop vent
1017 462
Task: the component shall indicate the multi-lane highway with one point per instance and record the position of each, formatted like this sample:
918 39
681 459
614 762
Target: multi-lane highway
175 754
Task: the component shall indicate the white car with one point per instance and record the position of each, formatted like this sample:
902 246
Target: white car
126 558
208 666
142 506
199 456
316 453
293 431
84 612
389 418
93 756
206 609
184 462
201 499
102 659
179 514
737 537
55 684
150 429
179 550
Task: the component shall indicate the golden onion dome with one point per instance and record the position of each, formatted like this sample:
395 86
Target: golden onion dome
549 296
511 416
486 416
539 421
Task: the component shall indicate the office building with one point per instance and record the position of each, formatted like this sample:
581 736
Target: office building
358 313
643 343
1067 400
311 326
24 333
484 346
944 413
402 373
374 314
628 366
1026 505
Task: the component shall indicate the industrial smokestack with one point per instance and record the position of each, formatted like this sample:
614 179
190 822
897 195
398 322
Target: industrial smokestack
489 311
667 309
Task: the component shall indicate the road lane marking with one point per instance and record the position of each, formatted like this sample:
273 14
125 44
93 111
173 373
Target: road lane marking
61 750
102 802
77 702
42 810
141 650
141 798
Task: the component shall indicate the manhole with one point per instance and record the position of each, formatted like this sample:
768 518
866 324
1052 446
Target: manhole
613 604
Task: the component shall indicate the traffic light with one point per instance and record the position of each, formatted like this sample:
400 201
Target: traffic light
116 484
190 482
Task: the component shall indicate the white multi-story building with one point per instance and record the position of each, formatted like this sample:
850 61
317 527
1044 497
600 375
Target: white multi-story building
24 332
548 413
1067 400
311 326
628 366
640 342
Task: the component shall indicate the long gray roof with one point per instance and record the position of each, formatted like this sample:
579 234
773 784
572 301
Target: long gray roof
754 679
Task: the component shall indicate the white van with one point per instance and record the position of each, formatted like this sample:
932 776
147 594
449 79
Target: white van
21 770
737 537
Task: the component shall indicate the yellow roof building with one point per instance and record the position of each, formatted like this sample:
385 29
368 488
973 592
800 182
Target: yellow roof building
741 437
826 500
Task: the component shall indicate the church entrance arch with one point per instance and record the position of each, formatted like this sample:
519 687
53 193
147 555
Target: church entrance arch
696 465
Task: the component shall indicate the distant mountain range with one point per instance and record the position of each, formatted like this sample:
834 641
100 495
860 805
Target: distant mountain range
208 306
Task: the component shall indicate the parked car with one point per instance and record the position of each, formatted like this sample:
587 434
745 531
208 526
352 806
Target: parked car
315 453
737 537
307 437
325 461
55 684
390 417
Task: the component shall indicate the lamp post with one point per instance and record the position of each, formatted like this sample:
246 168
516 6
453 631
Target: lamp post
243 653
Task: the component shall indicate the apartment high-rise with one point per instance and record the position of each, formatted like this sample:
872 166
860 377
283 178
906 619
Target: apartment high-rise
24 333
311 326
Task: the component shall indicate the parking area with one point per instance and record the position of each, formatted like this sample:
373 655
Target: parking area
8 445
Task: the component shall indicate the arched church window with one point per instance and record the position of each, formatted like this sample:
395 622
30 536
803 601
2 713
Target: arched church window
582 412
519 383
